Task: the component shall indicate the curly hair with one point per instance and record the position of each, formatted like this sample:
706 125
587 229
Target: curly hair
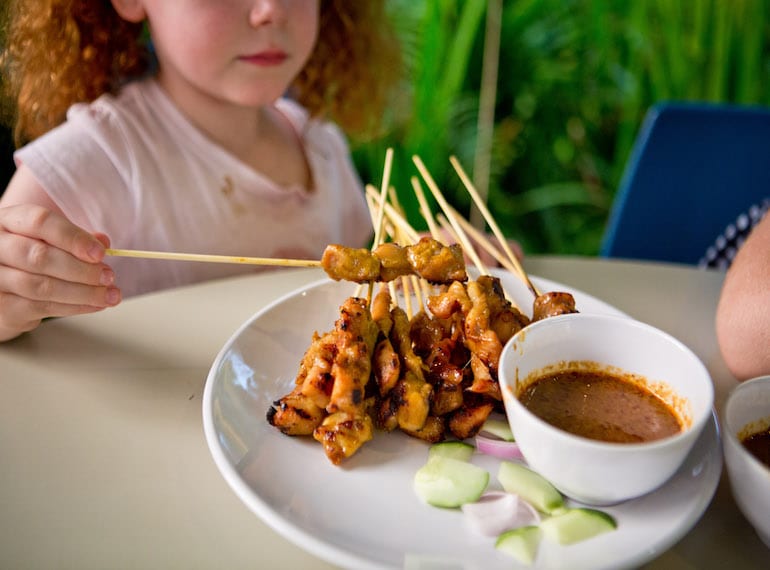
61 52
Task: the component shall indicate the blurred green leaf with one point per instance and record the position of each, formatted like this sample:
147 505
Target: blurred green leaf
575 80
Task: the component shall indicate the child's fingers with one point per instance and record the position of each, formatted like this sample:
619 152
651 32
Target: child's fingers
43 224
46 289
22 315
42 259
104 238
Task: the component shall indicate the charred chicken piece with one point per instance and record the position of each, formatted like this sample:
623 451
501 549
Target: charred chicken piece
355 334
438 342
505 319
489 320
467 421
386 366
437 263
350 264
433 431
350 371
342 434
479 337
314 378
411 396
428 258
381 311
394 261
295 414
449 302
552 304
330 397
483 382
446 398
426 332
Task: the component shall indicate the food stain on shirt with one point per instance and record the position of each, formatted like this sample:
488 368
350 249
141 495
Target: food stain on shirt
228 191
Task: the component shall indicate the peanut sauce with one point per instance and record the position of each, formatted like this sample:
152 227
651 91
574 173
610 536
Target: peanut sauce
758 444
599 405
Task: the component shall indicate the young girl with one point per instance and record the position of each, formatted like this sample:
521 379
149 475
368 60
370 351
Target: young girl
196 149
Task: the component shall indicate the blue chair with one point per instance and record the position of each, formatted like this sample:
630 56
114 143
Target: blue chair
694 169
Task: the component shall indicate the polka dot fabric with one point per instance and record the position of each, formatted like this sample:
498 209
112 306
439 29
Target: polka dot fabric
720 255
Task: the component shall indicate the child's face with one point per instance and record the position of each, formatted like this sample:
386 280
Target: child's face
244 52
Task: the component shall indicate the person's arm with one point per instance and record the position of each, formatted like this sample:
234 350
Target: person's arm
743 313
48 266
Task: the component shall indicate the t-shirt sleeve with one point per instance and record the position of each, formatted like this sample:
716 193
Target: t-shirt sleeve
84 166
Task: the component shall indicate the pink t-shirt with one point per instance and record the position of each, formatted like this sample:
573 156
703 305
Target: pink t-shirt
135 168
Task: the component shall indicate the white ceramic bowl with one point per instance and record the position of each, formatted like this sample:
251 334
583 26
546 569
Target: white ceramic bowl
748 404
591 471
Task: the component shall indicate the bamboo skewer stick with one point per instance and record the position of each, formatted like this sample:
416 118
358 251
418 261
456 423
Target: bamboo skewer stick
425 208
491 222
407 281
378 228
210 258
395 218
484 243
407 296
383 194
418 285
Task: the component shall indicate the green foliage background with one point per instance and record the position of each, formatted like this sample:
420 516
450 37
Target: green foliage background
574 82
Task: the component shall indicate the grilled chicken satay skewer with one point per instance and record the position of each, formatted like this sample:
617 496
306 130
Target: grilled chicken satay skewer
454 224
546 304
418 258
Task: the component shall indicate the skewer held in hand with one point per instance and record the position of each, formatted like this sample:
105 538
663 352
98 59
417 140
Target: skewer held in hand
176 256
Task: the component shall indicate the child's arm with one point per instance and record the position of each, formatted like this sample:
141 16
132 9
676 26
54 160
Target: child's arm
743 313
48 266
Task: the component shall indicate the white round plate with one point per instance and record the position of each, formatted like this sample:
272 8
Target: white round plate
364 513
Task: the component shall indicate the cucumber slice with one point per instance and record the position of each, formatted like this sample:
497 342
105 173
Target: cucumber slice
530 486
499 428
454 449
449 482
521 543
575 525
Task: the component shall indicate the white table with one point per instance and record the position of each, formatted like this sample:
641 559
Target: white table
102 454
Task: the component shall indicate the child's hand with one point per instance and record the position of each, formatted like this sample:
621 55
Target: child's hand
49 268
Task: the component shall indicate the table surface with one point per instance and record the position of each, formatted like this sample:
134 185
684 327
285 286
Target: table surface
104 460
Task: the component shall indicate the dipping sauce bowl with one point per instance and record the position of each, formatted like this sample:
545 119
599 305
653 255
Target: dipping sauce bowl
747 410
589 470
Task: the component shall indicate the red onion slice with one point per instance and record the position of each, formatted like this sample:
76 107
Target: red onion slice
498 447
498 511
